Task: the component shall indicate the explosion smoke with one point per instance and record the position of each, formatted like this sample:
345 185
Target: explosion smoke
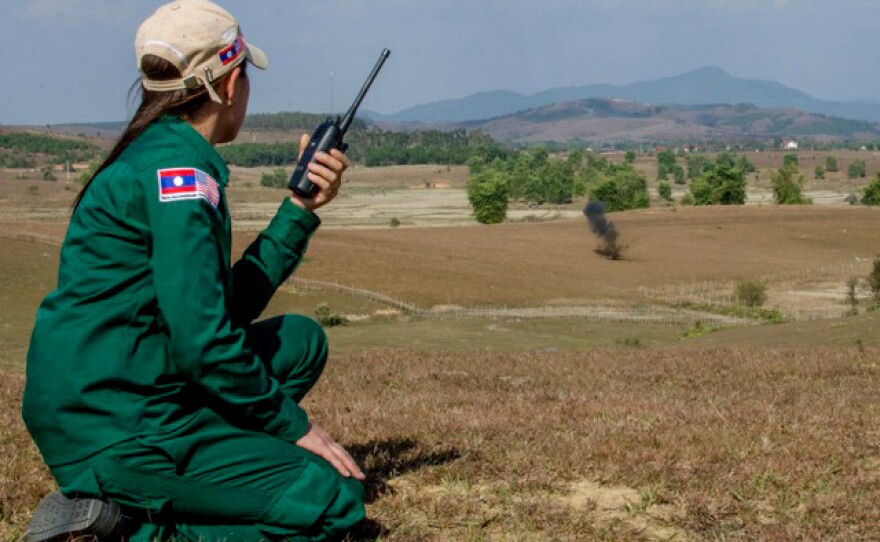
604 229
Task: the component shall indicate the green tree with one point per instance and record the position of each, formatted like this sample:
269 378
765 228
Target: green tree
557 182
664 190
871 193
622 189
856 170
831 164
488 192
665 164
724 185
746 165
520 176
476 164
790 159
695 165
787 184
678 173
819 172
629 157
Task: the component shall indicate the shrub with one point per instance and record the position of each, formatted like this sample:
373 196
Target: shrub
787 183
831 164
327 317
664 189
276 179
874 283
678 173
852 295
48 175
871 193
819 172
856 170
394 222
751 293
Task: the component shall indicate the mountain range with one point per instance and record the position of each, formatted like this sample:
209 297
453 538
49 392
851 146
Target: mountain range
607 120
705 86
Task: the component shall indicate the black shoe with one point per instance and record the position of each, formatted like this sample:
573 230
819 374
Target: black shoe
58 517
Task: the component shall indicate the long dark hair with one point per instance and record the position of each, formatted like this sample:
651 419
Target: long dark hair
181 103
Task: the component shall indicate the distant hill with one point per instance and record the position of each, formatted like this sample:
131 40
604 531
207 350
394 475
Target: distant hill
599 119
102 130
704 86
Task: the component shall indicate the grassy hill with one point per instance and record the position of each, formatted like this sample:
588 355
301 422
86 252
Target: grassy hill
618 120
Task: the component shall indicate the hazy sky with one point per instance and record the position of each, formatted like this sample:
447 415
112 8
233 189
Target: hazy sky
73 60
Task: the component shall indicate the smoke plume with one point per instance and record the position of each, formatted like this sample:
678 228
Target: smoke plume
604 229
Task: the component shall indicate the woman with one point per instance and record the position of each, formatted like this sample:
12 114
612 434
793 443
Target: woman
148 382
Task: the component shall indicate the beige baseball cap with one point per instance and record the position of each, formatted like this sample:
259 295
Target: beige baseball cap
200 38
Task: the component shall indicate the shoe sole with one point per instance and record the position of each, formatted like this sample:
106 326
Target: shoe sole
58 517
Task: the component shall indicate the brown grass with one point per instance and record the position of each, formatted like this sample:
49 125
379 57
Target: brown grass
24 480
621 444
724 444
548 261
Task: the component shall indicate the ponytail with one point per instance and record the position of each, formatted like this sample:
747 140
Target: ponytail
181 103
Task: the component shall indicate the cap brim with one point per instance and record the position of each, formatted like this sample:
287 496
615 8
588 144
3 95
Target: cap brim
256 56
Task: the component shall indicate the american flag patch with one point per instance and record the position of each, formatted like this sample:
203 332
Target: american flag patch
187 183
231 51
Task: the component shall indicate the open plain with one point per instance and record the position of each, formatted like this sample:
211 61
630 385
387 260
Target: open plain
507 383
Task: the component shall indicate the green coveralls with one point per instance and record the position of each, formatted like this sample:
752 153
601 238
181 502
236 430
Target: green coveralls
148 383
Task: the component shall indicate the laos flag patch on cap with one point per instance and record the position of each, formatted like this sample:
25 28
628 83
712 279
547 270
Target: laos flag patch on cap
187 183
231 51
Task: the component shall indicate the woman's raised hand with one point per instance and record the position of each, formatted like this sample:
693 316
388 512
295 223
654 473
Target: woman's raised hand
325 172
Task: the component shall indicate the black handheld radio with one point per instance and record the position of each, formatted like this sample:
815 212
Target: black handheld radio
329 136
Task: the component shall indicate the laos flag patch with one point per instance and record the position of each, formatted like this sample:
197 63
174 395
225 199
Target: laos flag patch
187 183
231 51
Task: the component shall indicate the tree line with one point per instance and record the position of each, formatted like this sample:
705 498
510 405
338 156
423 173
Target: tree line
377 148
533 176
22 150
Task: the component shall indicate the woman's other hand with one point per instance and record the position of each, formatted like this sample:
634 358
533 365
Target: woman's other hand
317 441
325 172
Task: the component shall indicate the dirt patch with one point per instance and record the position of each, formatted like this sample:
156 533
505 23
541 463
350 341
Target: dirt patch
637 512
610 504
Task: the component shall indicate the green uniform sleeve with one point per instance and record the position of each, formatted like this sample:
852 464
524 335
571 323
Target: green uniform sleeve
189 270
269 261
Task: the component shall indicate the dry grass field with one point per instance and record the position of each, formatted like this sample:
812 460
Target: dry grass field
658 444
554 261
515 428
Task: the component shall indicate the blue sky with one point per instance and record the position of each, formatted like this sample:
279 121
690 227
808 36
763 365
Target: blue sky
73 60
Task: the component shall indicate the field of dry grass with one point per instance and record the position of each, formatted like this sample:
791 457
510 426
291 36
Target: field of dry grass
555 260
509 428
662 444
